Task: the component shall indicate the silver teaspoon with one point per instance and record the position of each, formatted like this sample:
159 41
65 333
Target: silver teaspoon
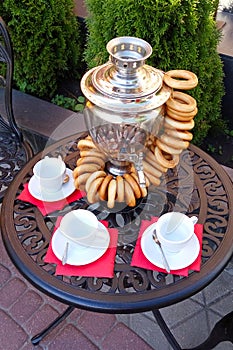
155 238
64 257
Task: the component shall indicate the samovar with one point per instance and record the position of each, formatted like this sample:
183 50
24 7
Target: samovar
124 114
125 104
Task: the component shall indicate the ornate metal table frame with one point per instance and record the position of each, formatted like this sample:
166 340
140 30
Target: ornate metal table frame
198 186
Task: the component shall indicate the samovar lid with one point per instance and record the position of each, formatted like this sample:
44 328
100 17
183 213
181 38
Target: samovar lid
126 83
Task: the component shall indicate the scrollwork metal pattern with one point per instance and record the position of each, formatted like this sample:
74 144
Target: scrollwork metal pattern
13 157
179 190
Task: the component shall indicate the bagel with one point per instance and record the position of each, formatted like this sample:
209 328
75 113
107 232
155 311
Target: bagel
147 180
103 190
94 152
150 158
111 193
133 184
85 168
181 116
85 144
120 189
148 168
168 149
132 169
143 189
129 195
137 179
152 148
153 179
171 123
181 102
92 177
92 193
180 134
80 181
93 160
168 163
186 80
174 142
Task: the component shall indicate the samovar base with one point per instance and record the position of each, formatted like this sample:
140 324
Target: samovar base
106 181
118 168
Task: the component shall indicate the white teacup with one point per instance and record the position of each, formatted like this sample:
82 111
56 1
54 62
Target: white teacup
79 226
50 173
174 230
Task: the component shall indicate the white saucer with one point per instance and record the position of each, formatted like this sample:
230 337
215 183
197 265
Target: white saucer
176 261
64 192
80 254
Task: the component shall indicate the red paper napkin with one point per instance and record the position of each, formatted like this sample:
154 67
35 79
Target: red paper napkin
140 260
49 207
103 267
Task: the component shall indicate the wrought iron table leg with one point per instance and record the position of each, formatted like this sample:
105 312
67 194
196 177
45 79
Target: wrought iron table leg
37 338
166 331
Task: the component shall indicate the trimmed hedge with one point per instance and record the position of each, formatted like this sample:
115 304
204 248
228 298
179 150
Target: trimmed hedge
183 35
46 43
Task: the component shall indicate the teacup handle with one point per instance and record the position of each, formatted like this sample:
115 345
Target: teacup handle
194 219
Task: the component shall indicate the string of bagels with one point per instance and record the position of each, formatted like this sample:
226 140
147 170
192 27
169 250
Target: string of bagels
162 151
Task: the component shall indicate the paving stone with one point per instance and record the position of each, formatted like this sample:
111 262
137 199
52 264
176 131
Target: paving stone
75 316
60 307
226 345
148 329
71 338
4 258
40 319
213 318
5 274
54 122
224 305
193 331
199 298
219 287
29 346
25 306
179 312
121 337
11 292
96 325
229 268
11 334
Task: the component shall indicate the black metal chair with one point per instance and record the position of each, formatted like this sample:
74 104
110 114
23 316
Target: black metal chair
14 150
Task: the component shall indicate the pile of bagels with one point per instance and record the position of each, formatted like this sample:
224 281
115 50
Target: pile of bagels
162 151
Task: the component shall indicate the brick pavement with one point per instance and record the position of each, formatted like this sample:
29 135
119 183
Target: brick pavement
24 311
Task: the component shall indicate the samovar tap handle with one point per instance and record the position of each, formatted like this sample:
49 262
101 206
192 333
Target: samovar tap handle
140 172
137 160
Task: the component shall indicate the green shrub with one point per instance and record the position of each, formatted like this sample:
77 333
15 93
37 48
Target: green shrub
75 104
46 43
182 34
